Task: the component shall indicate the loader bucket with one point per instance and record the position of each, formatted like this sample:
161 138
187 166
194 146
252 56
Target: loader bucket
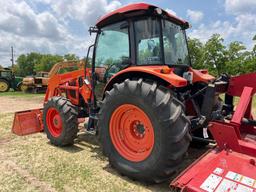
27 122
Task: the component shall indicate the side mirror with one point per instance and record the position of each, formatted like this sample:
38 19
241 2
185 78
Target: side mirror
93 29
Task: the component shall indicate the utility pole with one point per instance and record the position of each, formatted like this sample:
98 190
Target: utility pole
12 59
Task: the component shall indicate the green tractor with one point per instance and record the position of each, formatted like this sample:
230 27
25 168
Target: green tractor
9 80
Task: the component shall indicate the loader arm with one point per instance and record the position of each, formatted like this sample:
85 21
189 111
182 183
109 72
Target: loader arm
65 64
60 83
30 121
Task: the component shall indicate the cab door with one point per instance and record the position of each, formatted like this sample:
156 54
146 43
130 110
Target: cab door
112 54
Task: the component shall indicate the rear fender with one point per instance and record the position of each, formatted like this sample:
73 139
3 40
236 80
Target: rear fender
148 72
201 76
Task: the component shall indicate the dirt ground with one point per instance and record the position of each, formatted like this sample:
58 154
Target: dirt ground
31 163
10 104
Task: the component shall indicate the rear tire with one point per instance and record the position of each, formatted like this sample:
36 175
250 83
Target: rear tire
170 127
4 85
60 121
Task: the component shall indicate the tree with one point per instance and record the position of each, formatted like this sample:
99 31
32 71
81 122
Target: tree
235 58
196 51
254 48
235 50
71 57
26 63
215 54
47 61
249 63
33 62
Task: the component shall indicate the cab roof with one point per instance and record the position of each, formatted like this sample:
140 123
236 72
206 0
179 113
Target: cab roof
136 9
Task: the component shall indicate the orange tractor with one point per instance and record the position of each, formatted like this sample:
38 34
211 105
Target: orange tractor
142 96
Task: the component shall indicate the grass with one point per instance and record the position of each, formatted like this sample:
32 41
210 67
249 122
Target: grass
30 163
236 101
81 167
20 94
12 181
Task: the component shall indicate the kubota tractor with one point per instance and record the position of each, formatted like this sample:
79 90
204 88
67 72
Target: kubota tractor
142 96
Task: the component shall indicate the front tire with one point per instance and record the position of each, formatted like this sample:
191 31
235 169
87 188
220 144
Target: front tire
154 153
60 121
23 88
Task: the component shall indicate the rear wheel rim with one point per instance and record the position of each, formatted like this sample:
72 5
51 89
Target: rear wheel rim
3 86
132 133
54 122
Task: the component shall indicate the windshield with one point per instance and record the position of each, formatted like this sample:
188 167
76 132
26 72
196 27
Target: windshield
152 47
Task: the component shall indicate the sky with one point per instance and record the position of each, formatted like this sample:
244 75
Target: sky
61 27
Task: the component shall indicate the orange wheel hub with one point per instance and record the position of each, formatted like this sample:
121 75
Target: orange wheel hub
131 132
54 122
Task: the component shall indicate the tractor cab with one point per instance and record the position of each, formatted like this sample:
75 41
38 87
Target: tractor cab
6 72
141 36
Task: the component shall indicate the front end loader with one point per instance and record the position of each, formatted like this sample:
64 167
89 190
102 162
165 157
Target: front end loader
144 100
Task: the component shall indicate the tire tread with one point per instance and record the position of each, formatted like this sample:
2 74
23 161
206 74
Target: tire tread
170 114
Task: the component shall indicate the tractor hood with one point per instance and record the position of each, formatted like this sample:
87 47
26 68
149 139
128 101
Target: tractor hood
28 80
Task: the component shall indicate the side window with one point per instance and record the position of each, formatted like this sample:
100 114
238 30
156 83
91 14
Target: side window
112 52
148 41
175 45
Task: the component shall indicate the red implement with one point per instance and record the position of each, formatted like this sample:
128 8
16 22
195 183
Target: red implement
27 122
231 166
219 171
